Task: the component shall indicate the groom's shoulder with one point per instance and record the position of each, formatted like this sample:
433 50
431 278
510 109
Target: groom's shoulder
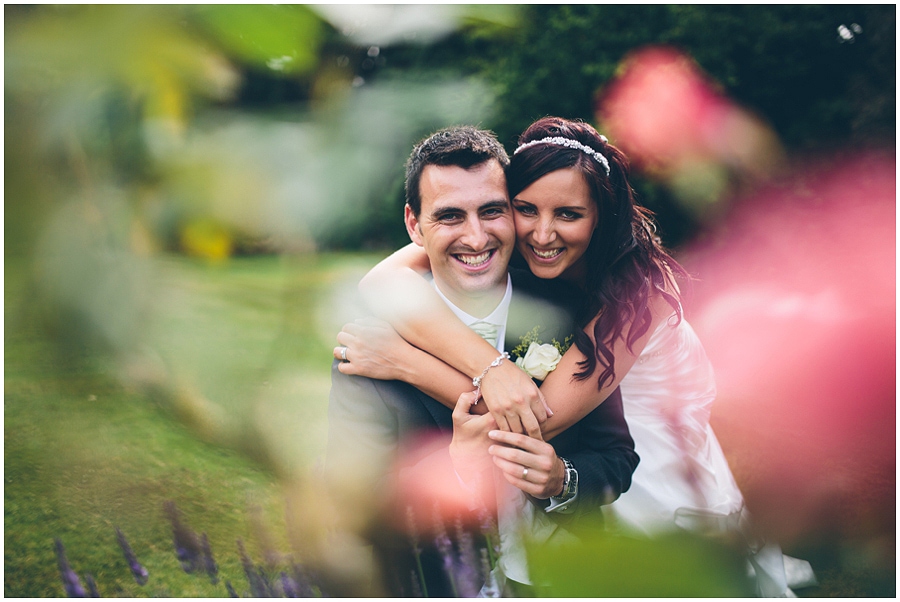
535 303
524 281
556 291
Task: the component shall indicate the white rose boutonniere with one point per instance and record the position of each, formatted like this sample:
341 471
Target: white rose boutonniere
539 360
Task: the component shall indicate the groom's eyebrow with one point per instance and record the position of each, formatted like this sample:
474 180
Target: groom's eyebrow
498 204
444 211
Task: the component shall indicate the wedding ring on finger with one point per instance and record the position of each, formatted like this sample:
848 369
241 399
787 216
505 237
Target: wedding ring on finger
524 473
344 354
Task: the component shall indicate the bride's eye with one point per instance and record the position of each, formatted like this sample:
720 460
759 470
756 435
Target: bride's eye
525 209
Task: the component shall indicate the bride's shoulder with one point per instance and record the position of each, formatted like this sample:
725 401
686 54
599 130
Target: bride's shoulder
665 299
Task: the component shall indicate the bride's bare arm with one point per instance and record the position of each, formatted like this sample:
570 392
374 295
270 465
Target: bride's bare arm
397 293
571 399
375 350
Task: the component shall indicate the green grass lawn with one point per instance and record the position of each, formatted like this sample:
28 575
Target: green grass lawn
85 451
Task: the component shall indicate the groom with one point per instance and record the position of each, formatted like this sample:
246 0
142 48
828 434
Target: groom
459 211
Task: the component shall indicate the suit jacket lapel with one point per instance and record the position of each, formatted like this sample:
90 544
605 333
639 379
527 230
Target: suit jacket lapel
527 311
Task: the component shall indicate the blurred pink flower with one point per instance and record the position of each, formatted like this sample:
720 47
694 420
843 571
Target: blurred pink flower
797 297
426 482
667 115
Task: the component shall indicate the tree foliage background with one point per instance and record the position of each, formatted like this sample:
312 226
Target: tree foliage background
822 93
821 90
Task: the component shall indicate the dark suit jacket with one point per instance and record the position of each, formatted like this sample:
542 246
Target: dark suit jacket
369 419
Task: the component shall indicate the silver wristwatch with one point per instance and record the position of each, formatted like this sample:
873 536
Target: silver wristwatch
570 483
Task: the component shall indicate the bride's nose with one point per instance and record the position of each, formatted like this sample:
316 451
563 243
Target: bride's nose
544 232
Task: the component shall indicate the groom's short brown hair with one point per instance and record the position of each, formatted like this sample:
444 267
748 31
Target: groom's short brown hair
463 146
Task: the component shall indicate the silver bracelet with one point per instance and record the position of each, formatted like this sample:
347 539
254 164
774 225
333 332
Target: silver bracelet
476 382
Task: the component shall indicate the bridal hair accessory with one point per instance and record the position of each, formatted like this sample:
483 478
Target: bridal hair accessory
476 382
569 143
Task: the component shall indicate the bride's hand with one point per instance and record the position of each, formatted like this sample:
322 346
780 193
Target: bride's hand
514 400
370 347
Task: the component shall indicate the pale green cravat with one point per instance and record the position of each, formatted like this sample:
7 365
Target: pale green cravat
486 331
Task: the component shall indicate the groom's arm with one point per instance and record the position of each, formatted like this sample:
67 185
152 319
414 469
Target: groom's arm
362 439
602 452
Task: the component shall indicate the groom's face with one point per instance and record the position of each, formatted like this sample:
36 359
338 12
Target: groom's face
466 227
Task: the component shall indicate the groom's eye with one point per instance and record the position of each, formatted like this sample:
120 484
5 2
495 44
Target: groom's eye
448 218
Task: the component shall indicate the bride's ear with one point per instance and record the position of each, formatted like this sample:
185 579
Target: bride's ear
412 226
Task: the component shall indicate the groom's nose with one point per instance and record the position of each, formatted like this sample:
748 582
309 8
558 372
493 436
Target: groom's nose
474 236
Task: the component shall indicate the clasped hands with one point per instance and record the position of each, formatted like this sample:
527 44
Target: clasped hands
525 462
372 348
516 402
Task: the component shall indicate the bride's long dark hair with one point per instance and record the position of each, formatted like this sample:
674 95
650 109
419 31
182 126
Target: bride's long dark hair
625 261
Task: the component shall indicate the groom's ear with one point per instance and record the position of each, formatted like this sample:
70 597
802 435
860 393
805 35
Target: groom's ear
412 226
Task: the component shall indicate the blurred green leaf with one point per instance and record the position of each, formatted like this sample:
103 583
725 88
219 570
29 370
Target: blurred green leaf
603 564
285 39
487 20
79 54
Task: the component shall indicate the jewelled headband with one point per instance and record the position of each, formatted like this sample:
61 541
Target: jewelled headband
569 143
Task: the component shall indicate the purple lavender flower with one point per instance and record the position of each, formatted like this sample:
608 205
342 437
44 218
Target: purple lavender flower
92 585
417 550
71 583
416 589
139 572
259 587
445 547
209 563
188 548
230 589
468 573
491 534
271 557
289 587
304 582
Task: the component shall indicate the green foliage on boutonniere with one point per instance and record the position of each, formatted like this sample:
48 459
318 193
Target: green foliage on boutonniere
533 336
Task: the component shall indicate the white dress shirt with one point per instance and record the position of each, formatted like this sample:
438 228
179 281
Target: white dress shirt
496 318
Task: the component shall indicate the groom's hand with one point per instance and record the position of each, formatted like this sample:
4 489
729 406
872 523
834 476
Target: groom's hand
469 446
514 453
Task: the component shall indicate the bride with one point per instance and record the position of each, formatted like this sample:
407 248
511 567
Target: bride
577 220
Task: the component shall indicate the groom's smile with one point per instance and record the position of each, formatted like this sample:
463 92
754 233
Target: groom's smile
475 261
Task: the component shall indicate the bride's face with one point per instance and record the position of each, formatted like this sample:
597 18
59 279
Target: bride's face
555 220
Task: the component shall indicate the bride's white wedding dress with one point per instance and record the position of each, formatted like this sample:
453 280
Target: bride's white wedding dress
683 479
